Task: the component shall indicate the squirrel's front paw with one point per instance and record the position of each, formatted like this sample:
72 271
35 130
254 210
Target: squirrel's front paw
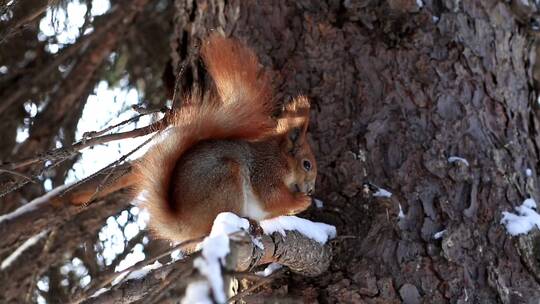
254 228
302 203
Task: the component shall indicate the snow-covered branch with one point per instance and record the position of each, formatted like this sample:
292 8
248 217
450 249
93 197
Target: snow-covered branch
299 252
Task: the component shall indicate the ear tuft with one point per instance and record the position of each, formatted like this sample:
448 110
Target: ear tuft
299 106
295 115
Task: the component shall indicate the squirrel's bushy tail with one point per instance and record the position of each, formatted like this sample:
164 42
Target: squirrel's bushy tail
241 110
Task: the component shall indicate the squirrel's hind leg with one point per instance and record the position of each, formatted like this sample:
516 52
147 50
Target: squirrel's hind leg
218 190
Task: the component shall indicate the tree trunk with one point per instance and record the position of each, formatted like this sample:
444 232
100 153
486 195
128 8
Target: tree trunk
398 88
433 101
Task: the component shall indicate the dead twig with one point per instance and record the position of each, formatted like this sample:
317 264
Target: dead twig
80 145
261 281
26 177
143 110
92 134
18 184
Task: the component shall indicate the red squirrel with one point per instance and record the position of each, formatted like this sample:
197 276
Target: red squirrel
226 152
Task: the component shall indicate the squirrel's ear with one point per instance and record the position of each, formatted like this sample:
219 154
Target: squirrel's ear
296 114
292 140
294 135
298 107
294 121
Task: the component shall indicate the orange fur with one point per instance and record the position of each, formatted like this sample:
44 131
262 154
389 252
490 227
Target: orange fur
283 202
242 112
236 73
294 114
227 153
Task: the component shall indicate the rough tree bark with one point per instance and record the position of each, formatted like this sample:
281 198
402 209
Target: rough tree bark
397 89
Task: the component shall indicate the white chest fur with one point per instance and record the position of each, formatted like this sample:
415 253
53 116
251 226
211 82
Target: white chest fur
252 207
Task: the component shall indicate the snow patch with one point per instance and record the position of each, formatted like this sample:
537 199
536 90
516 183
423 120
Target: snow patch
214 251
140 273
439 234
99 292
227 223
119 278
269 269
176 255
525 219
382 193
257 242
318 203
400 214
27 244
197 293
453 159
319 232
215 248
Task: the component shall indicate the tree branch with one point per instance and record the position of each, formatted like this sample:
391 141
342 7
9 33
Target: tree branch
301 254
50 210
61 154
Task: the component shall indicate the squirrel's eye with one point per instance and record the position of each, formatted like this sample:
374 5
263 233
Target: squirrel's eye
307 165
